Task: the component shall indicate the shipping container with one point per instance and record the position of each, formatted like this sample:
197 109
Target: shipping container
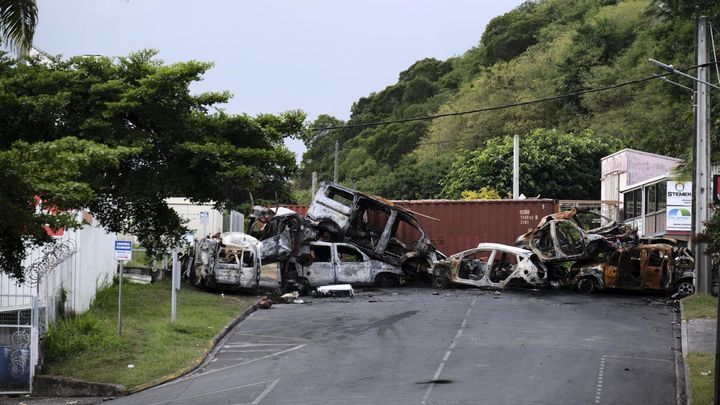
457 225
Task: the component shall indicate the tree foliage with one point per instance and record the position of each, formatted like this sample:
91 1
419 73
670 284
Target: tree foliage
18 19
119 136
539 50
552 164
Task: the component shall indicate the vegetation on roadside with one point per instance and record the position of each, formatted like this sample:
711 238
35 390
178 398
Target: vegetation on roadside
539 50
701 367
88 347
699 306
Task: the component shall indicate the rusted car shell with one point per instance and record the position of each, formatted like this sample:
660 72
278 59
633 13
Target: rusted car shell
231 261
659 267
373 224
527 271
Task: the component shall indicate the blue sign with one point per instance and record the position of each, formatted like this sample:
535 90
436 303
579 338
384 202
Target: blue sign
123 250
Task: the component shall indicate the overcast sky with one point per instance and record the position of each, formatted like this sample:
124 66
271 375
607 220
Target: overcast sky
275 55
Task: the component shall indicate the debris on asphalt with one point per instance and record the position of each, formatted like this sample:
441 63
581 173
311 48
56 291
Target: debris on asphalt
337 290
298 301
435 293
264 303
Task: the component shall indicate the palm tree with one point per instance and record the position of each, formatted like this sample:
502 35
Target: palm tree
17 24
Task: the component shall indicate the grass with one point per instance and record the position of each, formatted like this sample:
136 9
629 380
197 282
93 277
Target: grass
699 306
88 347
701 367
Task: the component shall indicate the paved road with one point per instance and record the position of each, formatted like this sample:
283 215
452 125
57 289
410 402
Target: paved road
407 346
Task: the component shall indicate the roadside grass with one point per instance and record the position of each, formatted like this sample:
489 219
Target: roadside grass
699 306
88 347
701 367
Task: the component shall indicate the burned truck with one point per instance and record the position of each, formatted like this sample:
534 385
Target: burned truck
229 261
378 227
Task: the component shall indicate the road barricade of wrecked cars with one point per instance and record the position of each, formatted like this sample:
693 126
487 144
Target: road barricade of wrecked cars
352 238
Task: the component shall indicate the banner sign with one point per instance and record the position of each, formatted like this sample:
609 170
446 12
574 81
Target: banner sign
679 206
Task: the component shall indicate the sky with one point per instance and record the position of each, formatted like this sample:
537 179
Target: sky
319 56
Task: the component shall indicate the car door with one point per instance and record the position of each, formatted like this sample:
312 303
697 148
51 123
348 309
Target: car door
351 265
321 270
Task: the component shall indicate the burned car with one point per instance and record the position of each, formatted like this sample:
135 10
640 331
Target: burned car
283 233
657 266
228 261
491 265
576 235
382 230
337 263
587 251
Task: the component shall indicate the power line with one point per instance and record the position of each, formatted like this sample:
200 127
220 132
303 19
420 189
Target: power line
504 106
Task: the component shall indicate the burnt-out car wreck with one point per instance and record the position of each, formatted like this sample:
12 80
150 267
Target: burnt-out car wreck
491 266
371 241
230 261
590 252
381 229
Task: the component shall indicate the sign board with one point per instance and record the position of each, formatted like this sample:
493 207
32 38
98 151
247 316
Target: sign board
123 250
679 206
204 217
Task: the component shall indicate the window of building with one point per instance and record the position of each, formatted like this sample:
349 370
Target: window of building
661 195
651 198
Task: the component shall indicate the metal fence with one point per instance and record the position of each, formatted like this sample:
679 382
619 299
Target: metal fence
19 333
59 278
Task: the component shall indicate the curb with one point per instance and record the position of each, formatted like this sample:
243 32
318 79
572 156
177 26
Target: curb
681 371
78 388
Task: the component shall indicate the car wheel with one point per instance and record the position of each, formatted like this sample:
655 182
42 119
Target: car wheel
440 281
685 288
386 281
585 285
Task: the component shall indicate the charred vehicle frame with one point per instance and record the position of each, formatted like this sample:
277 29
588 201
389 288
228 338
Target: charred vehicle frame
380 228
492 266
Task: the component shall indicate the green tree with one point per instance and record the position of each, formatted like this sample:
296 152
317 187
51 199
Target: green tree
119 136
18 19
553 164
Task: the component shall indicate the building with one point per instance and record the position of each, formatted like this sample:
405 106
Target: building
650 198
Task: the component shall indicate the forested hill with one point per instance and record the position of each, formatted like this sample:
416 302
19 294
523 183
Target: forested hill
539 50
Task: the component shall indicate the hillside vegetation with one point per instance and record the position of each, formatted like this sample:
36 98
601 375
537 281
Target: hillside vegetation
539 50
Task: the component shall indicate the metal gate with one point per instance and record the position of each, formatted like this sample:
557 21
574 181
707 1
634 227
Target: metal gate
18 346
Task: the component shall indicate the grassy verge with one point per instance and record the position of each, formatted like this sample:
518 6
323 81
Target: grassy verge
699 306
88 347
700 371
701 366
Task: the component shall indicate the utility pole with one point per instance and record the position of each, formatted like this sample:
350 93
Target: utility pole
516 167
337 153
314 185
703 174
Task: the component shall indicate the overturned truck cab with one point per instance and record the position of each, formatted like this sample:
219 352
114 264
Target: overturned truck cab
230 261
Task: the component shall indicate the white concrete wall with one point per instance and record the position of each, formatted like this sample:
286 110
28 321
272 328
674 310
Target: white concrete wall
90 266
191 212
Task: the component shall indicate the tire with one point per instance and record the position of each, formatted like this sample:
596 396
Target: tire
586 285
685 288
441 280
386 281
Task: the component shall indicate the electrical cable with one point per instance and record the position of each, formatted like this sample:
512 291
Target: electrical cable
510 105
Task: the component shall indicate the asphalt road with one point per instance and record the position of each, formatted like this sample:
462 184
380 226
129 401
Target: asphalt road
408 346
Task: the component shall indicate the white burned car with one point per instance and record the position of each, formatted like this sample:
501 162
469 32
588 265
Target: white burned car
338 263
230 261
490 265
